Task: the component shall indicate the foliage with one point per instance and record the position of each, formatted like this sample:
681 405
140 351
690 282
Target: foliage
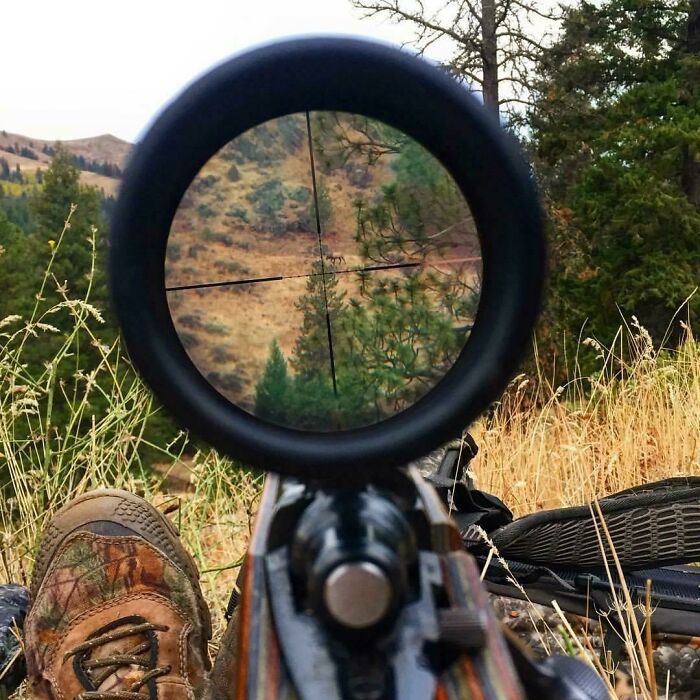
350 139
214 237
206 211
46 263
61 192
322 306
616 133
317 396
16 283
17 210
10 175
324 204
265 145
268 200
202 183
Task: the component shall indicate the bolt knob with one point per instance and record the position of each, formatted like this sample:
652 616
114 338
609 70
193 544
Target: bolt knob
357 594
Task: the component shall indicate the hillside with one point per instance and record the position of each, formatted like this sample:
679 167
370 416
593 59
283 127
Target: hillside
100 158
245 238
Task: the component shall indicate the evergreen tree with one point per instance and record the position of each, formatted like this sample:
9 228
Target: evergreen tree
321 305
272 391
401 341
51 205
615 133
17 265
17 210
30 241
68 251
315 397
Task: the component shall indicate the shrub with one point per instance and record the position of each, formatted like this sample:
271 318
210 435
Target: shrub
238 213
215 237
226 381
300 194
222 354
202 183
173 251
231 267
216 328
190 321
188 340
206 211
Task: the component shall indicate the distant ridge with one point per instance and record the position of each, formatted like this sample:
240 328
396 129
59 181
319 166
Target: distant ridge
31 154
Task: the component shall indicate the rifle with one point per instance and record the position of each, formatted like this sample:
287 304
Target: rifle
579 588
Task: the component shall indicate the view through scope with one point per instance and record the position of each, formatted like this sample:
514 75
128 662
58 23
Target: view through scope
323 271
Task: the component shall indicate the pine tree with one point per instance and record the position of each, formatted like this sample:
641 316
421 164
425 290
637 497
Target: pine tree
61 189
322 306
402 341
69 251
615 135
272 391
18 270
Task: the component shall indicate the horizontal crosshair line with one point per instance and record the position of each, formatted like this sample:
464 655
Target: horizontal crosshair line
278 278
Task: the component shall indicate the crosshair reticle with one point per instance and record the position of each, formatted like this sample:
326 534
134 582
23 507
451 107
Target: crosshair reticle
323 271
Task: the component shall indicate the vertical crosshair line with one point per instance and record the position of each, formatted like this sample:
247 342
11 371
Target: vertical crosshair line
320 253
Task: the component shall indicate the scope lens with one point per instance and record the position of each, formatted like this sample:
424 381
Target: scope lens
323 271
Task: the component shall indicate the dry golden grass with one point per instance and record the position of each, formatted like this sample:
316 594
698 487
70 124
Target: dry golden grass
634 422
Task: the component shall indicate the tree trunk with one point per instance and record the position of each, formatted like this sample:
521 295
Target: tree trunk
489 55
694 28
690 175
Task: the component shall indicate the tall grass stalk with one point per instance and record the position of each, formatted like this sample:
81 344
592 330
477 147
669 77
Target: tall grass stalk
632 422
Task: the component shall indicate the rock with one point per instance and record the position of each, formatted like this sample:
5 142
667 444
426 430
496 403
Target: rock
540 627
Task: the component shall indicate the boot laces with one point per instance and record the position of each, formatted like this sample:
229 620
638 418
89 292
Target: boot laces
93 672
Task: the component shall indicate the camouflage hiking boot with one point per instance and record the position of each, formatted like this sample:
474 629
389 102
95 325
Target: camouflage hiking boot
116 609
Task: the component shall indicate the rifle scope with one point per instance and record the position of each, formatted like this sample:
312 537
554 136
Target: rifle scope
326 258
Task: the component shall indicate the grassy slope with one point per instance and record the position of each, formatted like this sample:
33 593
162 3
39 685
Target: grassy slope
206 236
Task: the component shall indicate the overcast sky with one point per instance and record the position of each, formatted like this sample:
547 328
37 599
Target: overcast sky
76 68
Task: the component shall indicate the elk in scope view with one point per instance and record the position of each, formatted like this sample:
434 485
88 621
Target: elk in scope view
323 271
